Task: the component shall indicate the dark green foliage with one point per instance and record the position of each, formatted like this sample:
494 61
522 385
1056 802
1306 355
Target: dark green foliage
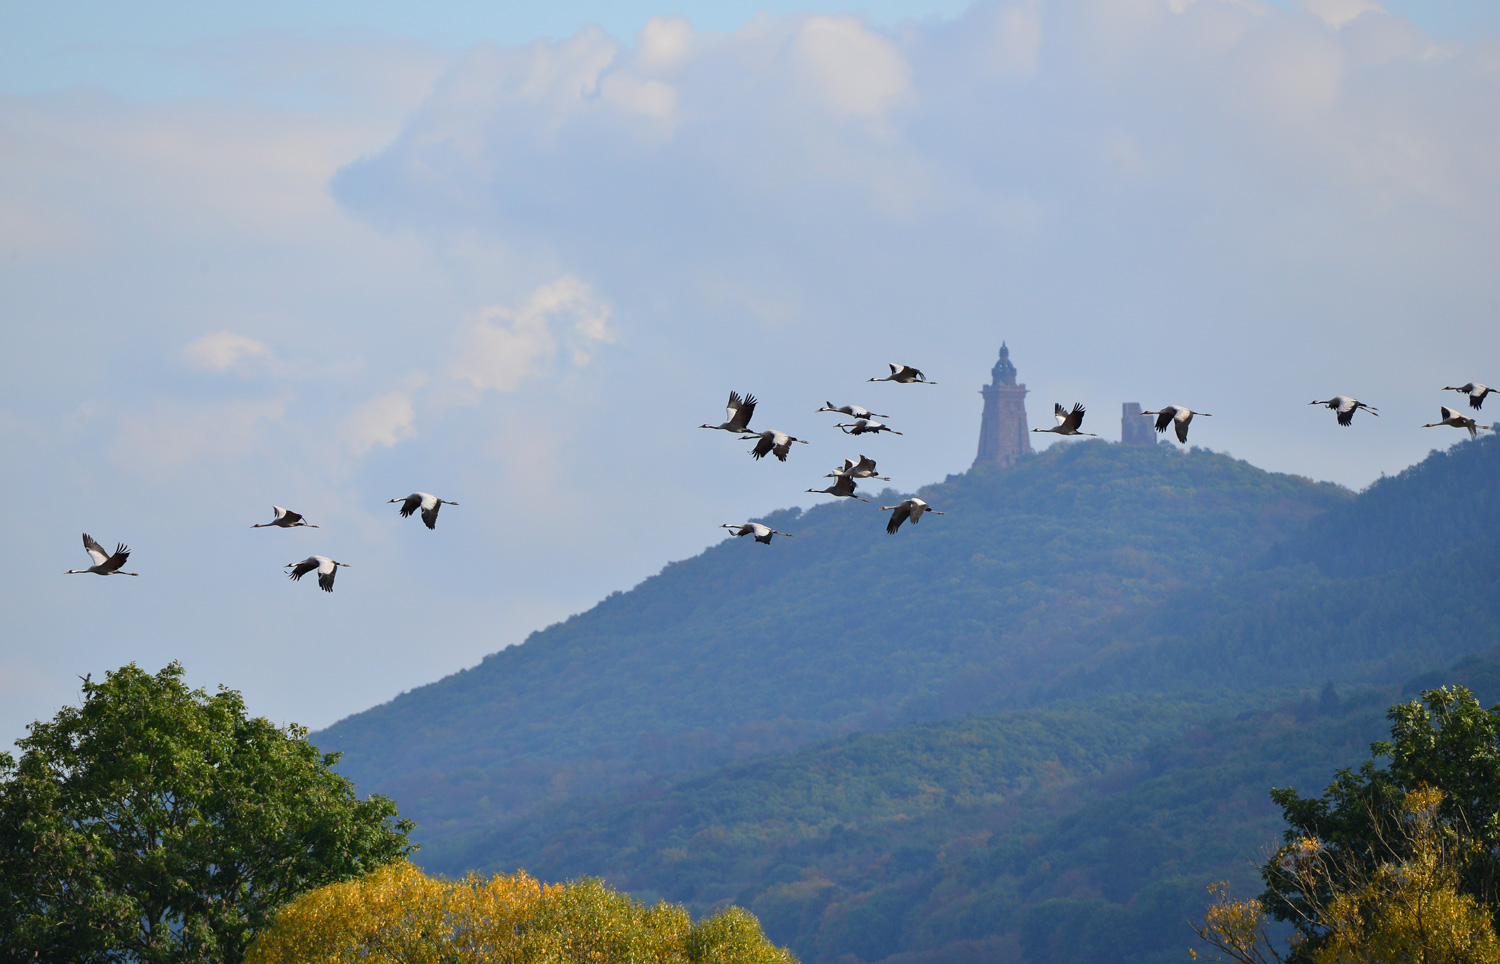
1446 741
157 823
747 649
1379 588
1448 499
1079 832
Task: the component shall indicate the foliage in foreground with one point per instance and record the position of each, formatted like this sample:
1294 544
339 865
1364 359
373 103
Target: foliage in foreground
1446 742
1391 863
1408 907
156 823
399 915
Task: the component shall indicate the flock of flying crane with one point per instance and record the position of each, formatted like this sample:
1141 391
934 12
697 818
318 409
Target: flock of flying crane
1069 422
771 442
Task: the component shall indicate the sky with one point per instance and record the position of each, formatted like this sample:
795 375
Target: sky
325 254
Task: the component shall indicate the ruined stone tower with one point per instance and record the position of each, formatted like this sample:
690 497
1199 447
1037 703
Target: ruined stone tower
1003 433
1135 430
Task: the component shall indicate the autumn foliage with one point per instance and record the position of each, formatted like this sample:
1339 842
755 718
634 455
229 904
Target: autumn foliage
399 914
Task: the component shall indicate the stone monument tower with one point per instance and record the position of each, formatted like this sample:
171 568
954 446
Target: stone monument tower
1135 430
1003 433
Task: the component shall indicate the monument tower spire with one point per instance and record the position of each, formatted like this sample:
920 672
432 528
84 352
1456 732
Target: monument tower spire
1002 431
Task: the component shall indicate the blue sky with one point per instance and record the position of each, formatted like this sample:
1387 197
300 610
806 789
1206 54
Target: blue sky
326 255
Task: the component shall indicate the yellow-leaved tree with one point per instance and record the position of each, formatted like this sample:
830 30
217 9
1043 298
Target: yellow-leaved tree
1408 909
398 914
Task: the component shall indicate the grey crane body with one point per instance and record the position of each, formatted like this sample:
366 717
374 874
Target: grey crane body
864 426
736 414
285 519
843 486
903 374
325 567
908 509
104 563
427 502
1474 390
1177 416
762 533
853 411
1067 422
1346 407
771 442
863 469
1456 419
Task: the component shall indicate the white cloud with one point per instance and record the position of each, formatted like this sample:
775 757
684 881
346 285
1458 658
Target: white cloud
1337 13
223 351
384 420
504 346
855 71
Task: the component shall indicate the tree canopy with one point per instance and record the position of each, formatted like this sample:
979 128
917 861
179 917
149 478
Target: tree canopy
398 915
1446 742
160 823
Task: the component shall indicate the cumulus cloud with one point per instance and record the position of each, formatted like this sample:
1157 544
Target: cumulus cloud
222 351
384 420
504 346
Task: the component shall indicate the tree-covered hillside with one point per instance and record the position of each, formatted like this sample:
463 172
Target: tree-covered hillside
1381 587
745 648
1081 832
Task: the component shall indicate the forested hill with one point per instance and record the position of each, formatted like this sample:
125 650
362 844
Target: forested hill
1379 588
747 648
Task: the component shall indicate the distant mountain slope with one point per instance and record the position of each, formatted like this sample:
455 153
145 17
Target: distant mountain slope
1402 578
1450 498
748 648
1070 834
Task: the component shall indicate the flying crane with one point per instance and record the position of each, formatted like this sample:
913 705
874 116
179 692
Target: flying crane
762 533
1346 407
903 374
1067 422
1456 420
427 502
104 563
285 519
736 414
325 567
908 509
1177 416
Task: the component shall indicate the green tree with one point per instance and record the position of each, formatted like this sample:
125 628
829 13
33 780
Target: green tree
158 823
1446 742
1405 910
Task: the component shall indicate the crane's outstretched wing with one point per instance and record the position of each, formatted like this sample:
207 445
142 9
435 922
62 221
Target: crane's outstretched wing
1182 427
866 464
122 553
411 504
1074 419
763 448
1449 413
1164 418
741 411
325 579
300 569
899 515
429 516
95 550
